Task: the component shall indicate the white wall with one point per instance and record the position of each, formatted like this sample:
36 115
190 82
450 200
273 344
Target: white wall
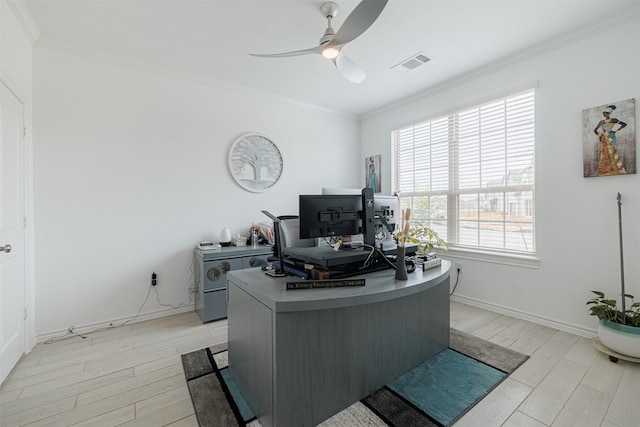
576 217
131 172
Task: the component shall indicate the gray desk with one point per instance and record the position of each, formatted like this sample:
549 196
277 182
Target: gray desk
301 356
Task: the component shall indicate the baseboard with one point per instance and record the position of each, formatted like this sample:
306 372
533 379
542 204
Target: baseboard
562 326
114 323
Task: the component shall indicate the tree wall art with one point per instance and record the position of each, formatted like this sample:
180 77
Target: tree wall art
255 162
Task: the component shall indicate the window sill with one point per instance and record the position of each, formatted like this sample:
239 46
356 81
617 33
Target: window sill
511 259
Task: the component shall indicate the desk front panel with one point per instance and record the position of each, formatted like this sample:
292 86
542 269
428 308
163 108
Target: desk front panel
301 367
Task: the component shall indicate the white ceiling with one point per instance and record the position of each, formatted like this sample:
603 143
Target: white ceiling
210 40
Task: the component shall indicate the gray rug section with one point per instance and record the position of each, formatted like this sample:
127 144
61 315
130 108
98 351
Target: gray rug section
487 352
210 402
212 408
196 364
396 411
219 347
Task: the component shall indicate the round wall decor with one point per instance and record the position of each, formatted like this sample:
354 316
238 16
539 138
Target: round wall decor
255 162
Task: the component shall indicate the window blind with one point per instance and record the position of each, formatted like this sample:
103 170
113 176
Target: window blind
469 175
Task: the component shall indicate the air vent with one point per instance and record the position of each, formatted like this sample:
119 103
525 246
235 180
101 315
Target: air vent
412 63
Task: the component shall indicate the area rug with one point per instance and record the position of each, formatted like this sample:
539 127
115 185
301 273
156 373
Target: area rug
434 394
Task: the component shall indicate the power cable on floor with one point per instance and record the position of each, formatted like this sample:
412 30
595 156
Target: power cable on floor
71 333
456 284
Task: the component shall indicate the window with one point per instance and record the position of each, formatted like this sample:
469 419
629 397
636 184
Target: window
470 175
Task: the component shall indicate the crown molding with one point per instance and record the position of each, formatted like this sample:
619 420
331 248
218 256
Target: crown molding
200 79
595 28
24 17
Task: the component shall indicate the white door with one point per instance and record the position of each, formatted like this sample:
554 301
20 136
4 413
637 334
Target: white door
12 232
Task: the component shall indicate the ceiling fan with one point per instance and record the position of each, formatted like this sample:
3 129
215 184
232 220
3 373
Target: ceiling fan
332 42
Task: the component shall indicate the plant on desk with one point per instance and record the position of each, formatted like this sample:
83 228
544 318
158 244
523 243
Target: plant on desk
426 239
423 236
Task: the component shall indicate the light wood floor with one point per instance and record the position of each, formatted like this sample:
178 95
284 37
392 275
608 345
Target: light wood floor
133 375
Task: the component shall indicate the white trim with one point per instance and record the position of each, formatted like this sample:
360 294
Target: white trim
200 79
600 26
470 103
518 314
7 86
502 258
89 327
421 171
23 16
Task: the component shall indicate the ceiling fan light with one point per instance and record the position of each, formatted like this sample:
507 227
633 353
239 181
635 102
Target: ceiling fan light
330 52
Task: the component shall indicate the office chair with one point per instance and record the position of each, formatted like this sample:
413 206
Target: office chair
278 237
290 234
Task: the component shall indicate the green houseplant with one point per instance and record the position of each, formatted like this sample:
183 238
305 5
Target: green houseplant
426 238
423 236
619 330
606 309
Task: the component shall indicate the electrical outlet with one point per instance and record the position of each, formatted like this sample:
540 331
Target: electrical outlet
154 279
457 266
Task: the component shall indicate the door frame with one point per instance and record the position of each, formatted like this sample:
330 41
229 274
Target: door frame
27 201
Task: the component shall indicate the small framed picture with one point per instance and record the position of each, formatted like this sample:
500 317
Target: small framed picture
372 174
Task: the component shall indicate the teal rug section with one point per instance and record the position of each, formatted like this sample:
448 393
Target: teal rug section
243 406
434 394
446 385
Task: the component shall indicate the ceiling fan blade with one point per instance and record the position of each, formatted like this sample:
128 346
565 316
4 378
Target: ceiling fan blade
358 21
309 51
349 69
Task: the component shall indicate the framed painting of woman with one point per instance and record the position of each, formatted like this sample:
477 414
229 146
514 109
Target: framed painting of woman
609 140
372 174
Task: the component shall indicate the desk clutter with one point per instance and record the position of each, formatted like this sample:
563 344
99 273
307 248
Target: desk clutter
257 235
336 235
208 246
354 232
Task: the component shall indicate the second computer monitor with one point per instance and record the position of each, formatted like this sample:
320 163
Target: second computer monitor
387 210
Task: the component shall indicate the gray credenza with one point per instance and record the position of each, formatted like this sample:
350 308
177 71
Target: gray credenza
300 356
211 276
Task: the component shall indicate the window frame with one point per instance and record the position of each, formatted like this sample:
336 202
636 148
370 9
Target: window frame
453 192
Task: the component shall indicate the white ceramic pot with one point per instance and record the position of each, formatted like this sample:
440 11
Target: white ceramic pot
624 339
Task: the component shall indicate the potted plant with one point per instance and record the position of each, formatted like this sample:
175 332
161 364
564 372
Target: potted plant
618 329
426 239
423 236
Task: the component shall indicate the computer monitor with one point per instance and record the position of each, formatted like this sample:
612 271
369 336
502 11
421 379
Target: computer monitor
341 190
387 210
386 213
330 215
386 216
